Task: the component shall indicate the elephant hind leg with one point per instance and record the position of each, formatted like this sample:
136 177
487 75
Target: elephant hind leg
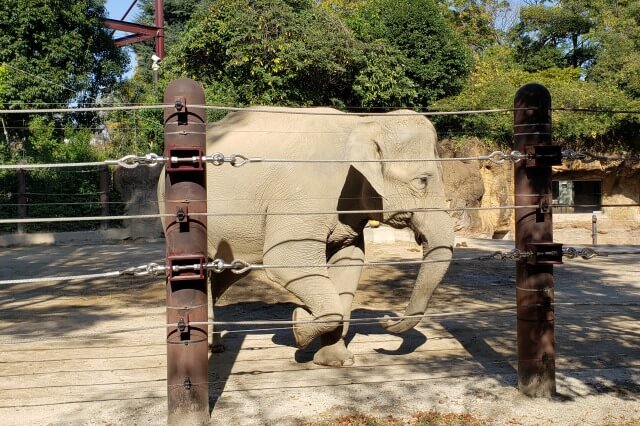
319 295
310 284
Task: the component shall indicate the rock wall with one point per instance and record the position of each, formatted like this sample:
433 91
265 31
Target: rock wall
480 184
485 184
137 187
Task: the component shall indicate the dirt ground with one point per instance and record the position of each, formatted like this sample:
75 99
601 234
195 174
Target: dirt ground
70 352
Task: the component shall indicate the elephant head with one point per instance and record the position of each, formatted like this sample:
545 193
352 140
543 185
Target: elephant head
405 187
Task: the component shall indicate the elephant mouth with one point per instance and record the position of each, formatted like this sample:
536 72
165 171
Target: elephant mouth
399 220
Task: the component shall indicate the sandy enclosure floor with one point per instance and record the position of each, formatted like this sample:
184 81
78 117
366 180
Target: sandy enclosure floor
68 355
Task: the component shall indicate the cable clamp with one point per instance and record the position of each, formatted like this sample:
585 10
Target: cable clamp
499 157
237 266
514 254
185 268
186 383
544 253
545 203
150 269
585 253
182 214
544 155
183 324
133 161
184 159
236 160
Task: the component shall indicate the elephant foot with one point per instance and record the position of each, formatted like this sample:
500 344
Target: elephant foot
335 355
308 330
217 346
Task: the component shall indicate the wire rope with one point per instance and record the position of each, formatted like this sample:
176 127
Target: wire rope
287 325
224 214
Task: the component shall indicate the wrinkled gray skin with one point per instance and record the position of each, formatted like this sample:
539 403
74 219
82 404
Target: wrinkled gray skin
300 239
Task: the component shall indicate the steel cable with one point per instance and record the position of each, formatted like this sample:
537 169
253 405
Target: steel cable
224 214
355 322
239 266
268 110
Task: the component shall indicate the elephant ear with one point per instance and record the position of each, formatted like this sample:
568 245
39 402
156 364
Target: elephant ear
362 146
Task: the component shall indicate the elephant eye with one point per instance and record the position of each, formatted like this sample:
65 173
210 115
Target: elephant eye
421 182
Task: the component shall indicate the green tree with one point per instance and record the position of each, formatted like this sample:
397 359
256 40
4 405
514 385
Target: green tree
177 14
555 35
433 53
477 21
597 131
288 52
54 52
617 61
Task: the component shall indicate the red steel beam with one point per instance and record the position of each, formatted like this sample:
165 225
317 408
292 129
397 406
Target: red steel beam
132 39
131 27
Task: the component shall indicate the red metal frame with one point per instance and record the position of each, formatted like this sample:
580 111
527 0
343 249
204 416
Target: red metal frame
141 32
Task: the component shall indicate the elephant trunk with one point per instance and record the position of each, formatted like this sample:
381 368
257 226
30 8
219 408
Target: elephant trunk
434 231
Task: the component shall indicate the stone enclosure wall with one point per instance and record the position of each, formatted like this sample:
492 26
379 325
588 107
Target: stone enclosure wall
485 184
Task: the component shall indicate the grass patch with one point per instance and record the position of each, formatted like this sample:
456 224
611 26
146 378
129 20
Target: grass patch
432 418
423 418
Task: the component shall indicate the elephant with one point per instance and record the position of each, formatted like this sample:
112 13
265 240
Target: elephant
300 213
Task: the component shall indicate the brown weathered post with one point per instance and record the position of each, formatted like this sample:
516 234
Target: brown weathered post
21 199
104 195
186 244
534 233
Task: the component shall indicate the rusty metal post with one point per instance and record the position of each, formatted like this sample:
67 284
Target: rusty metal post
534 233
159 23
21 175
104 195
186 244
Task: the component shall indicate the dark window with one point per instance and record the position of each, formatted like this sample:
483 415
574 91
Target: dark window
577 196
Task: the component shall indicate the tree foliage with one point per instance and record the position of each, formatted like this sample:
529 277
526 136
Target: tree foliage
53 52
432 53
57 51
601 131
555 36
299 52
267 52
478 21
617 61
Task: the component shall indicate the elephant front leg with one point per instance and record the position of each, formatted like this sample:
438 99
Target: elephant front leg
333 350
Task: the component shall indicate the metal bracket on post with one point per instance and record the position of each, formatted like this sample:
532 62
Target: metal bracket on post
543 155
183 325
182 214
545 203
185 159
180 104
544 254
185 268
